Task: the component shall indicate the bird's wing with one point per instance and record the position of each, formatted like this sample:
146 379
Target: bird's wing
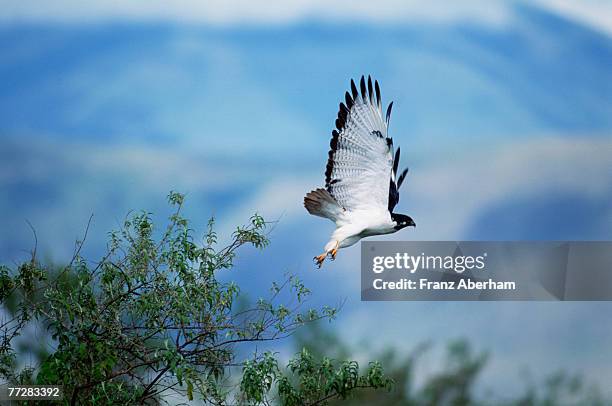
395 182
360 161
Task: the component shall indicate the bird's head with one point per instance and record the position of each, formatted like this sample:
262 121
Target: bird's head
401 221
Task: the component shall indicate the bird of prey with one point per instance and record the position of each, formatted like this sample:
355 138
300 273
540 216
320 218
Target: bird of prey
361 179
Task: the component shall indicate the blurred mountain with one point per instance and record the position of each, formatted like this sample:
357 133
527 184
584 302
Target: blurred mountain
275 89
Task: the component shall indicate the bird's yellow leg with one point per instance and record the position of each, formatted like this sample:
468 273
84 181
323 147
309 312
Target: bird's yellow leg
334 251
319 259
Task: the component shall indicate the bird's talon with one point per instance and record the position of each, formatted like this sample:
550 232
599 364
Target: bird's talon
319 260
333 253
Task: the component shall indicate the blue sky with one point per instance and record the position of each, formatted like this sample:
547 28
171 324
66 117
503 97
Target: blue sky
503 112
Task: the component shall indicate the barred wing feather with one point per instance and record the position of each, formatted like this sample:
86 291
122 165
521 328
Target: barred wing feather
360 165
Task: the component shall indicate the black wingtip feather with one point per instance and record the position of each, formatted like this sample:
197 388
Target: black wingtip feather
401 178
333 143
363 87
343 108
342 113
377 88
396 160
354 90
370 92
349 100
389 113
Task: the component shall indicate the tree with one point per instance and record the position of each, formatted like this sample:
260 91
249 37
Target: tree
454 384
152 318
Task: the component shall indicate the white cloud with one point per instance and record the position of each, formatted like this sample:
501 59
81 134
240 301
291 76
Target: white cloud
253 12
152 168
445 198
597 13
449 197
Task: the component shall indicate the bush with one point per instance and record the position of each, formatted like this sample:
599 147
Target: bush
152 320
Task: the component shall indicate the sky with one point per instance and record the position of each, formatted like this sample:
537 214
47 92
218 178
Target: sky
596 13
503 111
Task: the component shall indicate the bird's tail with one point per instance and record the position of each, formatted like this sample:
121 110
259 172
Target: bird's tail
320 203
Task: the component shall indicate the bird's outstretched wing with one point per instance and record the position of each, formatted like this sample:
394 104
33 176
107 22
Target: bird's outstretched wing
360 172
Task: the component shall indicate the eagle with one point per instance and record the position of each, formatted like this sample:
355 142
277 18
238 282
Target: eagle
361 179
